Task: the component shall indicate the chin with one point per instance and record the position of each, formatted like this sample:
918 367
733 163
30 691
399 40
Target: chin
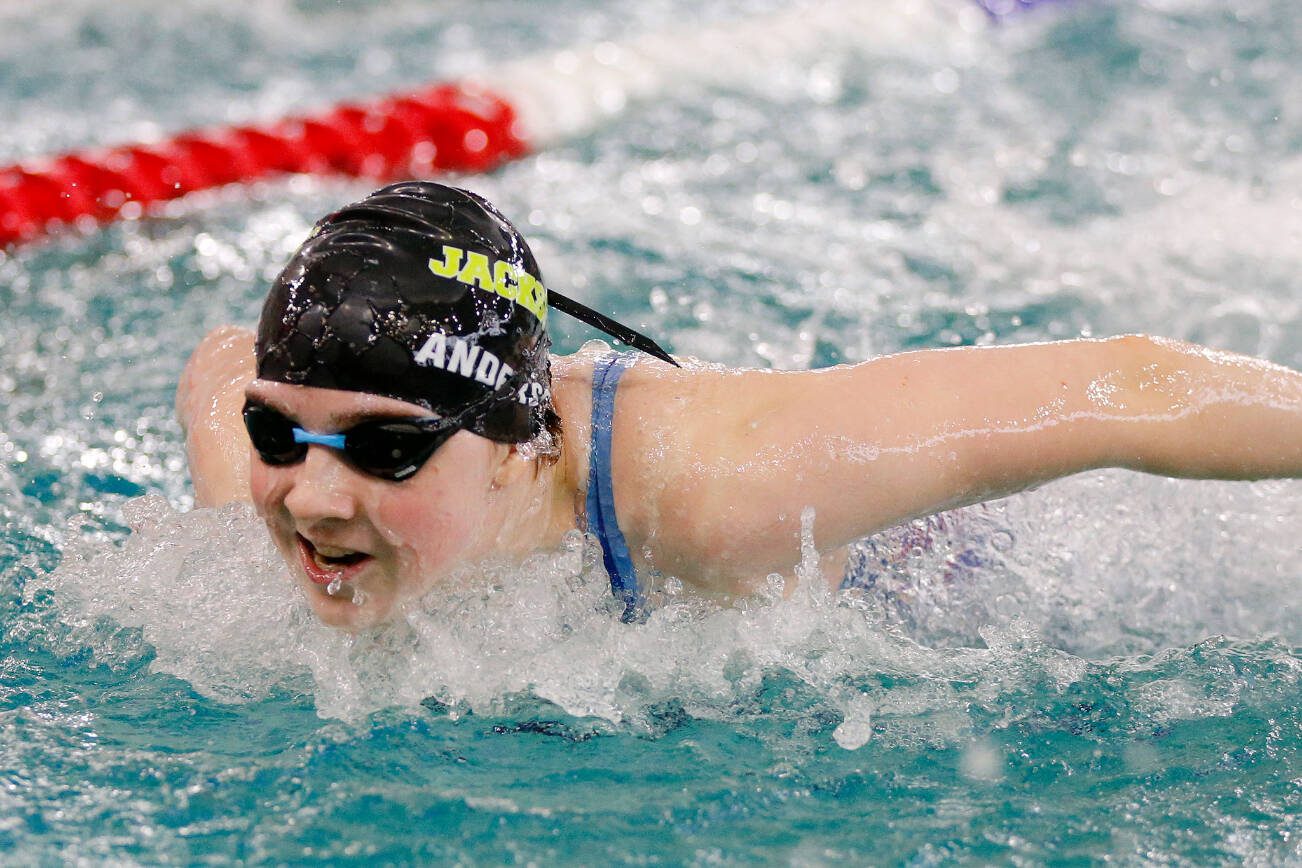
342 613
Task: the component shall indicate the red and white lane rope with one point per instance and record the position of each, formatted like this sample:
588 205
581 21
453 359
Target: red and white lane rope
445 128
460 127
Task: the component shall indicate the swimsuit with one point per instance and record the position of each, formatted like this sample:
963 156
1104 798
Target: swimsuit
602 522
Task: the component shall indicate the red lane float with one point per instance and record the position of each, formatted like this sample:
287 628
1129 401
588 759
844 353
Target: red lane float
472 127
447 128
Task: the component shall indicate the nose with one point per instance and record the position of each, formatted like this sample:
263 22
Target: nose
322 488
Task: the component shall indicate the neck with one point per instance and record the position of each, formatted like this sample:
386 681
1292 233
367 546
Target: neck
541 507
537 511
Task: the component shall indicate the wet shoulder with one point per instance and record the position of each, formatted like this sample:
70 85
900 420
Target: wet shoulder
650 393
668 424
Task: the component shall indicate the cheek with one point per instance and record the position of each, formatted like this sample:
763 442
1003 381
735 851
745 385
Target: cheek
267 491
262 488
438 524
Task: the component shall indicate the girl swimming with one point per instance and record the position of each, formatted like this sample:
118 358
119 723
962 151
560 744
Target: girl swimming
398 417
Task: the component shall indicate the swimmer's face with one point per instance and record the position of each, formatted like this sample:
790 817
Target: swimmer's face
385 542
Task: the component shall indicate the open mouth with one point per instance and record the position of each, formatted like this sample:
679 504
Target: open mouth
327 566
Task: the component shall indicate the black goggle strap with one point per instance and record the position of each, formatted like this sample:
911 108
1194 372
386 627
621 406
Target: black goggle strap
505 393
601 322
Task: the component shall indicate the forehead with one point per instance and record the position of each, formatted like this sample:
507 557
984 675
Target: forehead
316 406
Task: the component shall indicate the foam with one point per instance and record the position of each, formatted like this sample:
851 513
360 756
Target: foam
205 593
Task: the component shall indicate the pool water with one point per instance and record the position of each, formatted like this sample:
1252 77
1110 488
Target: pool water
1108 665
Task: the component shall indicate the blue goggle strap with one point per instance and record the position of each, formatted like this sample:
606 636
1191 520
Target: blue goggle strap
334 441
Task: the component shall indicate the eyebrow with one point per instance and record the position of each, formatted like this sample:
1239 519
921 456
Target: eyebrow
335 420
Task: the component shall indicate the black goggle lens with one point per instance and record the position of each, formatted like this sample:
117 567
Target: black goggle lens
272 435
389 449
393 450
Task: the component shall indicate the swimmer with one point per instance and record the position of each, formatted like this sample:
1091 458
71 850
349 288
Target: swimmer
398 417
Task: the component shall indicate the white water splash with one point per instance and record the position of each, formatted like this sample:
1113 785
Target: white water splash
208 593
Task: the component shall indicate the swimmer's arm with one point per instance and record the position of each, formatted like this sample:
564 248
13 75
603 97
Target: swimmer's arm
1143 403
1199 413
209 401
955 427
870 445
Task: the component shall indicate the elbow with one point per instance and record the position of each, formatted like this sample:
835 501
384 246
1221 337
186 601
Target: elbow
1153 354
1139 373
1140 349
1146 389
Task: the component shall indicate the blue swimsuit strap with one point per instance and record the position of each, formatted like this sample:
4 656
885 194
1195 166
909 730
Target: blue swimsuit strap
602 522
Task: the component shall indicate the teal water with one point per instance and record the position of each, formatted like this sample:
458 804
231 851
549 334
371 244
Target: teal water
1121 676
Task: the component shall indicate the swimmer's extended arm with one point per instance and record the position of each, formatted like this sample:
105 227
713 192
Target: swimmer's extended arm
209 400
870 445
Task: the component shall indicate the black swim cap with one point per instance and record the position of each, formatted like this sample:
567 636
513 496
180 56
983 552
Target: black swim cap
420 292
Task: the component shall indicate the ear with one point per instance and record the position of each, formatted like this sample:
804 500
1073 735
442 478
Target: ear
512 467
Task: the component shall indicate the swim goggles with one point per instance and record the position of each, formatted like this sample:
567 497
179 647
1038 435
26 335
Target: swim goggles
391 449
